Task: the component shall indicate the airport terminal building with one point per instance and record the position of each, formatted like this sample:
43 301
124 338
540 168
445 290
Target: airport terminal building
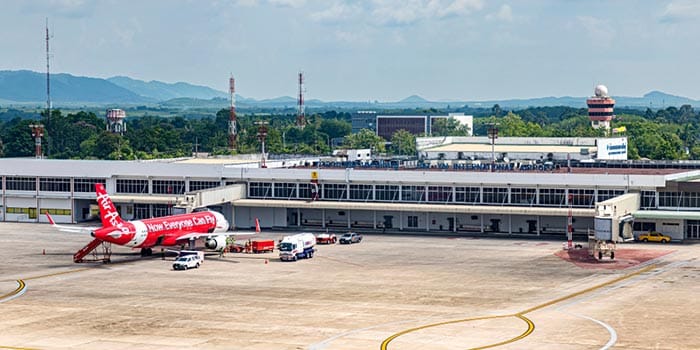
626 201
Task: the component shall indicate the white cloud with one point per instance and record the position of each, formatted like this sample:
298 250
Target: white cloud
400 12
505 13
247 3
63 8
680 10
288 3
338 12
601 32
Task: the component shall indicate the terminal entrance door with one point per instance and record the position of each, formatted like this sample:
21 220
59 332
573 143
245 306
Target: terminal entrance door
451 224
532 226
495 225
692 229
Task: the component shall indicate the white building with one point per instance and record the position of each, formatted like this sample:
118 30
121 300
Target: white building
525 203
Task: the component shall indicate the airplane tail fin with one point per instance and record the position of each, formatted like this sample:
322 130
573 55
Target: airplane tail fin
108 212
257 225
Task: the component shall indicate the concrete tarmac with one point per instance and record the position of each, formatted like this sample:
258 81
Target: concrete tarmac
388 292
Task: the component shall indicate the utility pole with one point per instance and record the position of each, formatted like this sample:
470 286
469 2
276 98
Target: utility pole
232 132
262 135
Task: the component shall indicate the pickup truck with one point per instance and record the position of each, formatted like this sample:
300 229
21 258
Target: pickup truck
350 237
186 262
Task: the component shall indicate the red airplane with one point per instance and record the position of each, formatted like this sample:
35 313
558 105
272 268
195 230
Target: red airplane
163 231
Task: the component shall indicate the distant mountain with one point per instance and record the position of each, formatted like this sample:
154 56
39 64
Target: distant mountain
27 86
414 99
161 91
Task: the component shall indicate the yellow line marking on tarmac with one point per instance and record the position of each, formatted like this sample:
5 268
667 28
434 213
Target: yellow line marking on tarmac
15 348
57 273
520 315
20 287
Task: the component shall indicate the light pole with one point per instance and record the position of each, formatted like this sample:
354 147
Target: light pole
493 135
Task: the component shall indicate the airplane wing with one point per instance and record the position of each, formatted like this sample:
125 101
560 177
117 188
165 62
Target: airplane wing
69 228
195 235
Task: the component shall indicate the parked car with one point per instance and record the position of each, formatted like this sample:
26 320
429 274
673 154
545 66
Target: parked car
186 262
654 237
350 237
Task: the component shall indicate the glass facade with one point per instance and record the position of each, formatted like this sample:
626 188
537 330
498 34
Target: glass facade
412 193
285 190
523 196
197 185
168 186
468 195
604 195
20 183
361 192
86 185
260 189
440 194
495 195
582 197
54 184
334 191
386 193
132 186
552 197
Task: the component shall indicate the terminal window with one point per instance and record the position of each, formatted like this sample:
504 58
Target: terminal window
20 183
51 184
169 186
86 184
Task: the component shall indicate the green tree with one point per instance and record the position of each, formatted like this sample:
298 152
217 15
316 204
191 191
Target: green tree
403 143
18 137
365 139
335 128
448 127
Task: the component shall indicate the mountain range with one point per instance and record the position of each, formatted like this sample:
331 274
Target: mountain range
25 87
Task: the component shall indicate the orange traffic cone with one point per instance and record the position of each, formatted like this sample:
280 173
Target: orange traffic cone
265 261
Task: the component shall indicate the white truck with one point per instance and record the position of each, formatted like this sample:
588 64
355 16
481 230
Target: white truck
299 246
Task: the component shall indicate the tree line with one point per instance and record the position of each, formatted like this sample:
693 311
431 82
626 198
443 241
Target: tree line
670 133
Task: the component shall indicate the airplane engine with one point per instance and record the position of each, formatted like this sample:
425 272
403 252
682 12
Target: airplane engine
216 243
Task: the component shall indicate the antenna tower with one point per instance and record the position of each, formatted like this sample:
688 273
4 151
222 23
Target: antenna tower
232 132
301 117
48 92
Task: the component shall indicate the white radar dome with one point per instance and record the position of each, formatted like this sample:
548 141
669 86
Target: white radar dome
601 91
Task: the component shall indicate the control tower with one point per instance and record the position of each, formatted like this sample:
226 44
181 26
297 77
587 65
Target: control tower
600 108
115 121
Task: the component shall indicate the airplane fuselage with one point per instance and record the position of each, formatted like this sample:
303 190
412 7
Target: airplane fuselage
162 231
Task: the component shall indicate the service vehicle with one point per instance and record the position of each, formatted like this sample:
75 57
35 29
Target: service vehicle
299 246
263 246
654 237
326 238
350 237
186 262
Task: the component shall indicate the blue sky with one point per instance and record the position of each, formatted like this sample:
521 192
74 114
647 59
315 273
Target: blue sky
369 50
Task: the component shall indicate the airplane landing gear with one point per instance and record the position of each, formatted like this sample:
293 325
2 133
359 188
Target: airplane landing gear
146 251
